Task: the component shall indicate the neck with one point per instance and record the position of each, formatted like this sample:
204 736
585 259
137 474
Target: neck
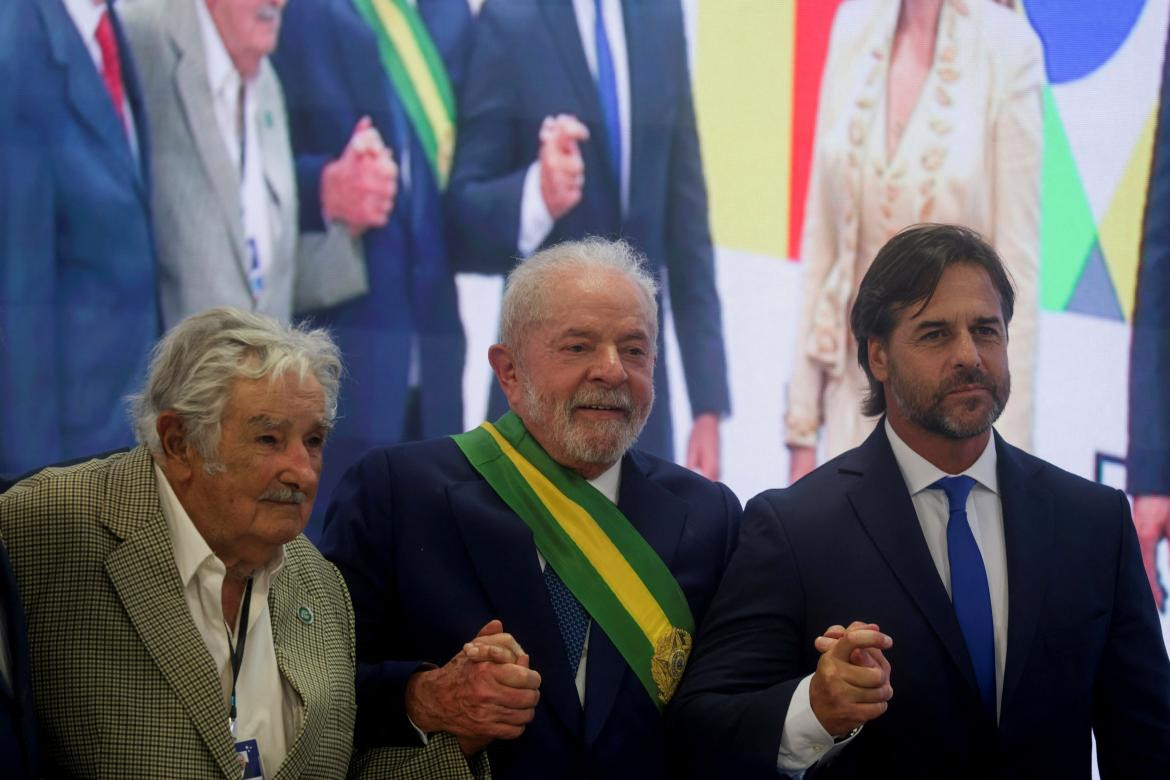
953 456
592 470
919 17
231 597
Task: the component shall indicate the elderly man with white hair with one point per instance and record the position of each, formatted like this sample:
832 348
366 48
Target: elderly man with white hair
597 560
179 623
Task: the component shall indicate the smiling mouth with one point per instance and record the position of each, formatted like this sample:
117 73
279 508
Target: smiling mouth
606 409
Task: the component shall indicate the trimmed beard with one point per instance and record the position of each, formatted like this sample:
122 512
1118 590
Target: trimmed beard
926 407
596 443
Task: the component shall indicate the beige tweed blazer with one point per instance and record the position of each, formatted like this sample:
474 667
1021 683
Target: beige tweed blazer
123 683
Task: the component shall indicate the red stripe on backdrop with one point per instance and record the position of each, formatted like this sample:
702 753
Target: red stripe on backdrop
814 18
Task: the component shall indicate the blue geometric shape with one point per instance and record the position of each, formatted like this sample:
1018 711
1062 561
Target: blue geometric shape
1079 36
1094 294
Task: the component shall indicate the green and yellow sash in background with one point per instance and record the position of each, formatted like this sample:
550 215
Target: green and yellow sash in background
419 78
615 574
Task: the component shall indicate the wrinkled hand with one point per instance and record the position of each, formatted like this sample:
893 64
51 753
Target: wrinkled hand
851 685
703 448
1151 517
801 461
475 697
562 170
358 188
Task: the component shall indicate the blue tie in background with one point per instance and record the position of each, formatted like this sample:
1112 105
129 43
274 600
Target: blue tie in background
571 616
607 93
970 595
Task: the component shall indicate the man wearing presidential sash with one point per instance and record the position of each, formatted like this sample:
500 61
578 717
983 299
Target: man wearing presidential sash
596 560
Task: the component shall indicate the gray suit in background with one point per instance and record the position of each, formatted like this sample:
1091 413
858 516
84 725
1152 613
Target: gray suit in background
202 253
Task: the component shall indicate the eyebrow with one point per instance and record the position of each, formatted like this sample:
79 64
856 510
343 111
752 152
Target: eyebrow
266 422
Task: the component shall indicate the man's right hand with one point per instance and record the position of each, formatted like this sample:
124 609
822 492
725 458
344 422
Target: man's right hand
478 696
1151 517
562 169
851 685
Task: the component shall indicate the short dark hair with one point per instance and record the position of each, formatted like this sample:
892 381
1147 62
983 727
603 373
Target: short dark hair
907 271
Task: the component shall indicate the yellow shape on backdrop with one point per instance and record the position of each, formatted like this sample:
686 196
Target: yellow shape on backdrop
1120 230
743 100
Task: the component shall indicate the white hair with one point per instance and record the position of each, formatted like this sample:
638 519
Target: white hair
194 365
526 292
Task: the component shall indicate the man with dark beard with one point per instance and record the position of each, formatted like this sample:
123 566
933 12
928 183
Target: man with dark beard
599 561
999 607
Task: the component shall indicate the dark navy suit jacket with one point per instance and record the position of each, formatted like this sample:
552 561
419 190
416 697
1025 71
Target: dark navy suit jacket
1084 645
329 67
78 299
431 554
528 63
18 735
1149 368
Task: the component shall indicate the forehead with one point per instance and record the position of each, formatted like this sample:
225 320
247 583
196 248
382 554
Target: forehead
965 289
608 300
283 397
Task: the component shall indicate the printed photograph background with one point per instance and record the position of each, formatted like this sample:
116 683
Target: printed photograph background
757 67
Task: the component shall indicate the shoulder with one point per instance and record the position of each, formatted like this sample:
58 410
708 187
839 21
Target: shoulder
1009 43
853 20
145 21
680 481
1080 496
54 490
422 469
316 574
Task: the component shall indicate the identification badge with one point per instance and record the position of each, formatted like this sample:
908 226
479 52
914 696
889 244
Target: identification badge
248 754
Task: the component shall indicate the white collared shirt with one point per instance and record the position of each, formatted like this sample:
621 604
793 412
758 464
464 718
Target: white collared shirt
225 83
86 15
268 707
535 220
804 741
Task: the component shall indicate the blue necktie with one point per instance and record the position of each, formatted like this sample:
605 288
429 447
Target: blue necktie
571 616
970 595
607 92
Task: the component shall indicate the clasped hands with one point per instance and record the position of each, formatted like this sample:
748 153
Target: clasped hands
359 187
486 692
851 685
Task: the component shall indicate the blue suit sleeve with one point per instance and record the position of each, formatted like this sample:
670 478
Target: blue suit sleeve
358 539
487 178
694 298
1149 373
29 380
729 712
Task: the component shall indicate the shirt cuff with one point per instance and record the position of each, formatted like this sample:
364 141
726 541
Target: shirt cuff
804 740
535 221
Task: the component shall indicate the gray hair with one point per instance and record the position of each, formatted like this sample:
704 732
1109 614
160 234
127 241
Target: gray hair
526 292
194 365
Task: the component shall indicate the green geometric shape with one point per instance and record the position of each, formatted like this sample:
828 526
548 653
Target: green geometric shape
1067 228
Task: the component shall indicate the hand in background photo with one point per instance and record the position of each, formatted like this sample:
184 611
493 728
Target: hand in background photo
358 188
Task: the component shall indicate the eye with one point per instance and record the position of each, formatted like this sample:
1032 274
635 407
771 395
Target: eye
576 349
266 439
932 335
315 442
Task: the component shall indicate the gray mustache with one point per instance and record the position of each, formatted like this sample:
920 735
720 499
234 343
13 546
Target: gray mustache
284 495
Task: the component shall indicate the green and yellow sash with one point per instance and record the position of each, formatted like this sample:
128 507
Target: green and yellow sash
615 574
419 78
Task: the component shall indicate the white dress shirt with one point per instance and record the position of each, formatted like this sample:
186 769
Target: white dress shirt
226 84
804 741
86 15
268 707
535 220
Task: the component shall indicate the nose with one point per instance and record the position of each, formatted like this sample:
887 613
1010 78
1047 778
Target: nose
608 367
300 471
966 352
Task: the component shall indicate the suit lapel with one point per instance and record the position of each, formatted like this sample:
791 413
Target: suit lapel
272 137
562 29
660 517
137 107
1027 529
300 654
88 99
504 556
194 91
883 506
139 568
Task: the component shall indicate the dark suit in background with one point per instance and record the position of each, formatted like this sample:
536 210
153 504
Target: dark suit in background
431 553
528 63
78 307
18 725
1084 648
330 68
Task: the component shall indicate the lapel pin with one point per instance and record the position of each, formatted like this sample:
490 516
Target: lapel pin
305 614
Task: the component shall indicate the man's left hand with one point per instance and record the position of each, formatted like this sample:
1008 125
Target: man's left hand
703 449
358 188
